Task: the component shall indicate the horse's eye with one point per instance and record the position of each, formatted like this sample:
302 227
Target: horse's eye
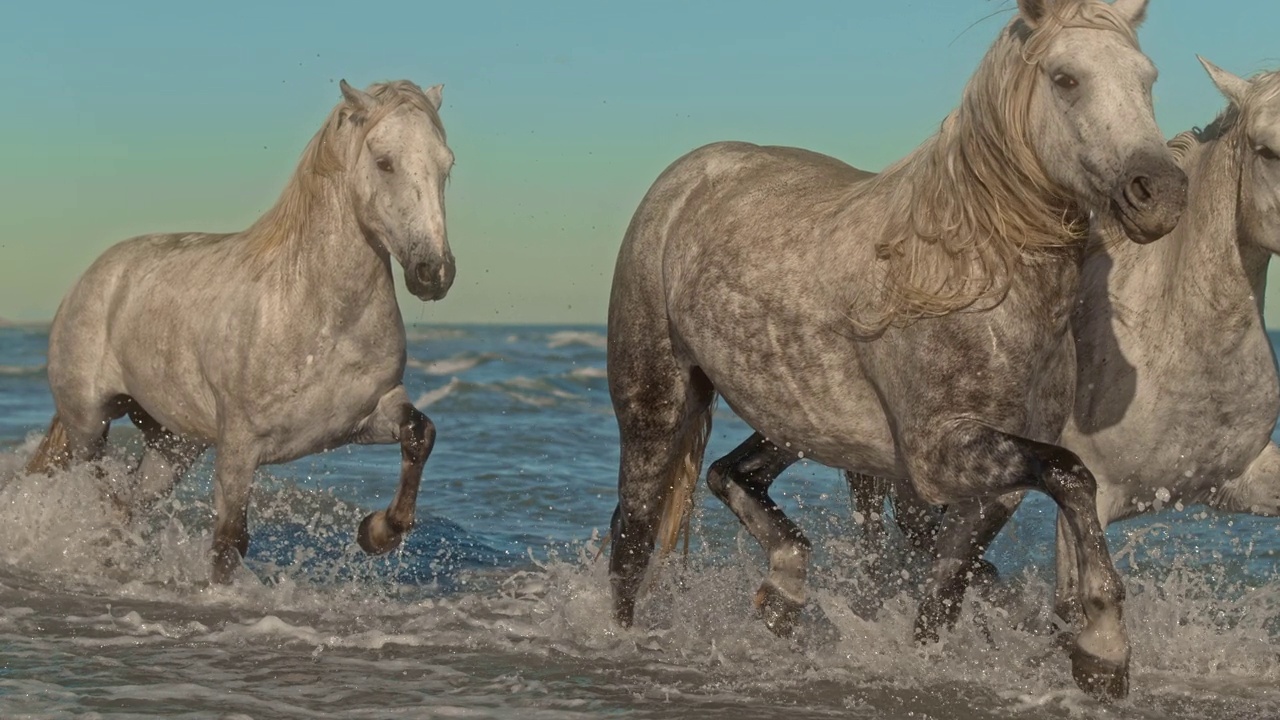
384 164
1065 81
1266 153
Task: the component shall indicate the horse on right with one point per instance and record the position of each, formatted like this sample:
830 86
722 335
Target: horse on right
1177 392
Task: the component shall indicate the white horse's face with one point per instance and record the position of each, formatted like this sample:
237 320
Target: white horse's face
1093 125
1258 102
1260 179
398 180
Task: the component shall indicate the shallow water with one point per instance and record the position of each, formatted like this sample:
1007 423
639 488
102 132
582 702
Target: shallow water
497 606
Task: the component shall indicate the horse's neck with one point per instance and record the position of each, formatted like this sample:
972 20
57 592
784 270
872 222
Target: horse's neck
1203 273
335 269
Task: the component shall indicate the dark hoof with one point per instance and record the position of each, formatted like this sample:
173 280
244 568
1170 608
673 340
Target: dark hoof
376 535
778 611
226 558
1103 679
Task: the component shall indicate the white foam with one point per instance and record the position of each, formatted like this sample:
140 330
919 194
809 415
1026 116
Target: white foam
564 338
590 372
431 397
453 365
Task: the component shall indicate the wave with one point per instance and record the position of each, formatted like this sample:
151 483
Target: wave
431 397
589 373
424 333
453 365
565 338
21 370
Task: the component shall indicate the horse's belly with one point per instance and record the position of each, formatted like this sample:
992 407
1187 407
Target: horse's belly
806 394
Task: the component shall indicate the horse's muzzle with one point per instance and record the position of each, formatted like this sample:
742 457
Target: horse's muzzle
431 278
1151 198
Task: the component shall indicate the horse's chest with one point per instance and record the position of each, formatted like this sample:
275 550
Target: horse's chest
329 386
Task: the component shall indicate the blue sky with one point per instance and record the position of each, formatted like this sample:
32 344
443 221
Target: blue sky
131 117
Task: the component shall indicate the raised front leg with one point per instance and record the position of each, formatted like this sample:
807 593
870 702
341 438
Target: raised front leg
972 461
741 480
396 420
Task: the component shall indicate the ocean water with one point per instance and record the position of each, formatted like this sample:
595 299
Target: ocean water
498 605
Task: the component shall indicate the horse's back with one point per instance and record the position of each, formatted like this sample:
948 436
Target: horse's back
732 194
728 266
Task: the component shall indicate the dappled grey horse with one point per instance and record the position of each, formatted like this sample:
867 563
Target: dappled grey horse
272 343
1177 392
911 324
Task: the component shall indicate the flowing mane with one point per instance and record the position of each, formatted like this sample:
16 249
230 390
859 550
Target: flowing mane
978 199
281 229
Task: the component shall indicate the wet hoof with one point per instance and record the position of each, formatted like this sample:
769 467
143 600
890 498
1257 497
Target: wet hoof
1103 679
778 611
226 558
376 535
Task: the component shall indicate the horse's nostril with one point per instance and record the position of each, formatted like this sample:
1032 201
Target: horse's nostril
1140 190
424 273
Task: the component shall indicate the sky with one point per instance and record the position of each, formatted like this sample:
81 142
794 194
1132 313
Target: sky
132 117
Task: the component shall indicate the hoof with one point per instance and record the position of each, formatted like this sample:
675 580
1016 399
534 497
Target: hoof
376 536
226 558
1103 679
778 611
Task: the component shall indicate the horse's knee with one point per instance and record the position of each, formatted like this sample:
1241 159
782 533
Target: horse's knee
420 427
718 478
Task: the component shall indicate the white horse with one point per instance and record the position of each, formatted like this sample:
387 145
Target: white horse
273 343
1177 392
911 324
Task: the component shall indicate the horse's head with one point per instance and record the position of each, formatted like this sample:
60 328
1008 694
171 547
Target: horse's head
397 176
1090 118
1255 108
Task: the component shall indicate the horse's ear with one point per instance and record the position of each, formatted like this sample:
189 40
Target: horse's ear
359 100
435 95
1234 87
1135 11
1033 11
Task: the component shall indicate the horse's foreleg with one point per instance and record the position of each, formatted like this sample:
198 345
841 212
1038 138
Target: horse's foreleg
741 480
1257 490
977 461
867 494
233 480
396 420
966 530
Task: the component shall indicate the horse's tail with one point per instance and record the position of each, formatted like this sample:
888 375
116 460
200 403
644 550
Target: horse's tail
54 450
678 505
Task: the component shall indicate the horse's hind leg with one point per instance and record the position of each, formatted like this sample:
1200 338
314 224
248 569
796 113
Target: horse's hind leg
165 459
975 461
664 417
741 480
396 420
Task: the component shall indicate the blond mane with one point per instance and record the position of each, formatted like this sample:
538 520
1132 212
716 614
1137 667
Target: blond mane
978 199
286 225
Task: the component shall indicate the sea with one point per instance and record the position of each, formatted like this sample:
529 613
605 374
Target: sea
498 603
